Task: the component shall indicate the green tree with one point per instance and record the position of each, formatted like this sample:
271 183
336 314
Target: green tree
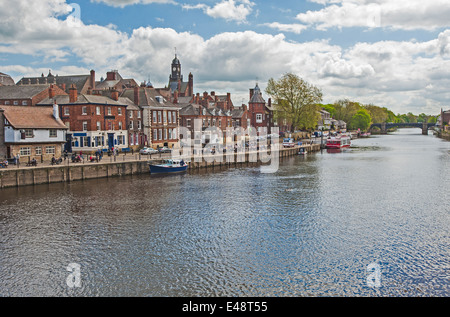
330 108
345 109
378 114
361 120
295 100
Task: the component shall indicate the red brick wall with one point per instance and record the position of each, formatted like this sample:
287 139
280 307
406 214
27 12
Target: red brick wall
76 117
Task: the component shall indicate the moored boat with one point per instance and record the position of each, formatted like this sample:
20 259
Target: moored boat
169 166
338 142
302 151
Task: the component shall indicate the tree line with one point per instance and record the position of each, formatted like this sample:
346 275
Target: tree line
298 102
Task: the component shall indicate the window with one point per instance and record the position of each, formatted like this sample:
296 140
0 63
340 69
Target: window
131 114
174 117
131 125
24 103
120 139
155 135
188 123
169 114
7 102
85 141
170 134
16 103
165 134
66 111
259 118
50 150
119 111
38 150
155 119
139 114
25 151
84 111
29 133
159 117
160 134
99 125
165 116
109 111
97 110
53 133
85 125
120 125
139 125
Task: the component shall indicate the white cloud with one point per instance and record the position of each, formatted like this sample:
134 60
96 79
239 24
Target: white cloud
229 10
399 14
294 28
401 75
124 3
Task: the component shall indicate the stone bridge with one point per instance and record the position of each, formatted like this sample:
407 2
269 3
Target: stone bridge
385 126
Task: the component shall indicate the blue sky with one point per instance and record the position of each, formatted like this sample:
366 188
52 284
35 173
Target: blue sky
389 53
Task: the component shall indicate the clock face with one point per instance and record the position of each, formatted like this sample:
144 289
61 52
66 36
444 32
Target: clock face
174 69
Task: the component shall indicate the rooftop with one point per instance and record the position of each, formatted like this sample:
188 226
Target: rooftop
32 117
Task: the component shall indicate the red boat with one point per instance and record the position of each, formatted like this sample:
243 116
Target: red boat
339 142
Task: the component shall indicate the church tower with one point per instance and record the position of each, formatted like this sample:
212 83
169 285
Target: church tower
175 78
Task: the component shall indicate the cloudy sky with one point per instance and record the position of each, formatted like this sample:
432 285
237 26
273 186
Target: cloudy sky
389 53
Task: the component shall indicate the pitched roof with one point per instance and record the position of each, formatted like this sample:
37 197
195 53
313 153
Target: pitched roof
21 92
32 117
82 99
257 96
148 97
80 81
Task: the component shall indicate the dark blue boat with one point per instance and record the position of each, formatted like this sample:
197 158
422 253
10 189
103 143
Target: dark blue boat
169 166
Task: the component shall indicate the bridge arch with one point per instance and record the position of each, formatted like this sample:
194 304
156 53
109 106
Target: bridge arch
384 127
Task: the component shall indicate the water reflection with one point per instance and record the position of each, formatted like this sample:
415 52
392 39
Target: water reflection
311 229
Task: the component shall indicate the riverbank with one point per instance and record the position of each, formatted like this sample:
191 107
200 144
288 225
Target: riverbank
115 167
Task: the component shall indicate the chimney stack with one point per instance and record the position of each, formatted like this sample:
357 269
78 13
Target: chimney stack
175 97
51 92
73 94
92 79
136 96
55 111
115 95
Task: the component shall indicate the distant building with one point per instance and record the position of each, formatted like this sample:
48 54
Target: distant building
113 81
6 80
82 82
31 132
325 120
28 95
444 119
176 82
93 121
260 112
241 117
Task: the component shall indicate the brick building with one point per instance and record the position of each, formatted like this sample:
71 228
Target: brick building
28 95
160 117
94 122
260 112
444 119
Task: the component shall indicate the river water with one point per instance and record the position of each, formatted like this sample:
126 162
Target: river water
372 220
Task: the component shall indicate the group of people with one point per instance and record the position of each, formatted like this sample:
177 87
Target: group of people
79 157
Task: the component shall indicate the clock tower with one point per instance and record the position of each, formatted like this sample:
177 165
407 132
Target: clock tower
176 82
